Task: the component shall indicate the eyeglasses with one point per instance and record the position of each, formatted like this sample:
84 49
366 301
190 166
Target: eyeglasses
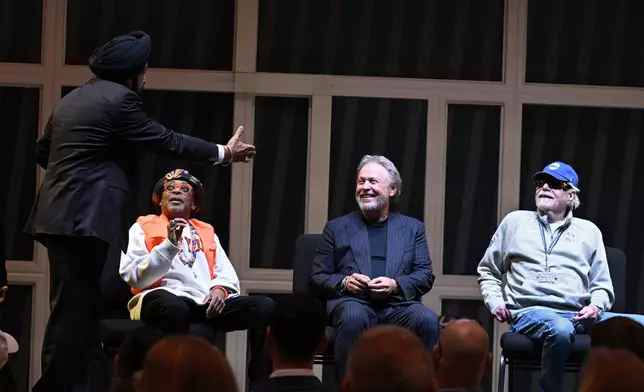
552 184
174 186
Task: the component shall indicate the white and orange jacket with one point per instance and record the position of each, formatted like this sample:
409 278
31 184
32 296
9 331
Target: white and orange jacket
152 263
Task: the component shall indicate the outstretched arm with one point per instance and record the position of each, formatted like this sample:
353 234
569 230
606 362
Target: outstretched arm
136 127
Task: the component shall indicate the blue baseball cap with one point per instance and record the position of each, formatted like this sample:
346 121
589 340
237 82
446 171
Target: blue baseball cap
561 171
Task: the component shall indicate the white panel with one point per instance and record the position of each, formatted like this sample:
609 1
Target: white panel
356 86
26 75
236 349
512 66
264 274
510 160
319 155
159 79
517 28
623 97
39 314
246 26
434 176
241 189
437 152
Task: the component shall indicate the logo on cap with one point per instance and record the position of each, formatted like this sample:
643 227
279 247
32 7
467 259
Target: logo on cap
554 166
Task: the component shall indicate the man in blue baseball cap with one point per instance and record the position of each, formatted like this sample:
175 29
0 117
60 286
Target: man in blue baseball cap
559 283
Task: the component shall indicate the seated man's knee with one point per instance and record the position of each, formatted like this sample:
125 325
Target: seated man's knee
425 324
166 311
560 331
263 305
353 316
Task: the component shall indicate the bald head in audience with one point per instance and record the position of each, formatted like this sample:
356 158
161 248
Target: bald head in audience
607 370
389 358
462 355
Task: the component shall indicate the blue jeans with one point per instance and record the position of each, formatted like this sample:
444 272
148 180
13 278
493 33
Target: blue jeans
556 330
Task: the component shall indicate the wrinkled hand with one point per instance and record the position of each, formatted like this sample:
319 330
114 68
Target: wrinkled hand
382 287
357 283
175 228
590 312
501 313
238 151
216 301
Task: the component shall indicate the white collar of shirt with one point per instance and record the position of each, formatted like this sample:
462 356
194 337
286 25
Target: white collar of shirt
292 372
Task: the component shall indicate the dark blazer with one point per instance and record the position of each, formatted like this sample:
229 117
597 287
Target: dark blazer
292 384
89 150
346 251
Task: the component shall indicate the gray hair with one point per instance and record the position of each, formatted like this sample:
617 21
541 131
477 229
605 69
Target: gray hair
394 176
575 201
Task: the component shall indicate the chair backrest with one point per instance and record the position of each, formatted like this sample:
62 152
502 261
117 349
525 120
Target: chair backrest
617 265
305 247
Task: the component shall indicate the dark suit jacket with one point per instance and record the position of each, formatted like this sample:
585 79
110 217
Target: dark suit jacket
292 384
89 150
346 251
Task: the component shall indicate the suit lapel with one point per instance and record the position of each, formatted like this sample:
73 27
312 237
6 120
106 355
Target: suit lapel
359 242
395 245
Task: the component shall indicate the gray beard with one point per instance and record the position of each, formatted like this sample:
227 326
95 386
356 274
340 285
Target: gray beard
372 207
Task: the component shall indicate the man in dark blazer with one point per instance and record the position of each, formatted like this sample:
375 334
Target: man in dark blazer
374 265
89 151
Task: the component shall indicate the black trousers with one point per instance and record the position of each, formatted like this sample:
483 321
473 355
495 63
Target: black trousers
71 335
173 315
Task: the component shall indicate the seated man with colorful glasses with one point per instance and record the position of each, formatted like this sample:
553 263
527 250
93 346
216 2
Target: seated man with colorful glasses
558 278
180 274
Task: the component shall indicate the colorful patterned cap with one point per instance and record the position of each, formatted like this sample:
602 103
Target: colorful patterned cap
181 175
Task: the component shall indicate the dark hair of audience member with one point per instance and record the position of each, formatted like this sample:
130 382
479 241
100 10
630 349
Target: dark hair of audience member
186 363
607 370
619 332
297 327
131 355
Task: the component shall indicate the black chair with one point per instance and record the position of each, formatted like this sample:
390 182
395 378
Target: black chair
115 324
305 247
521 352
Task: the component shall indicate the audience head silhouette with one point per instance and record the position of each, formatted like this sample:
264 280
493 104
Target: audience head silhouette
389 358
186 363
608 370
619 332
296 331
128 363
462 355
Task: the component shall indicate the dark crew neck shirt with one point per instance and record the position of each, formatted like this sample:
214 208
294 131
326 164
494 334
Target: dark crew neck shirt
378 245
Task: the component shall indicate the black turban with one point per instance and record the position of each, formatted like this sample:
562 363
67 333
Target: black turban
122 57
182 175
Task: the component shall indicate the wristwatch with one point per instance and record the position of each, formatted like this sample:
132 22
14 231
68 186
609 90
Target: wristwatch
343 285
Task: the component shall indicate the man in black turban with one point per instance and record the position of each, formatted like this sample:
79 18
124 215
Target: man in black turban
89 150
123 58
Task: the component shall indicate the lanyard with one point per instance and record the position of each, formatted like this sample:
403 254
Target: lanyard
193 247
547 250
